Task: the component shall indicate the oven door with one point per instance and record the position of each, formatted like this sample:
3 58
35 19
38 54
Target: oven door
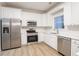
33 38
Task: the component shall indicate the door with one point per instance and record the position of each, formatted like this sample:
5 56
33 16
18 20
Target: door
5 34
15 33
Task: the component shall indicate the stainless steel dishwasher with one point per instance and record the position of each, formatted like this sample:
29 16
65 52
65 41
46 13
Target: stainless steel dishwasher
64 45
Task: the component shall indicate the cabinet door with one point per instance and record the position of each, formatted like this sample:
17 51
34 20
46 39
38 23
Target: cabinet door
75 13
40 37
40 20
67 13
23 37
74 47
6 12
53 41
46 38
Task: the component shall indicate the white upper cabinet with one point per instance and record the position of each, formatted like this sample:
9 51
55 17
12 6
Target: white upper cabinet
41 19
27 16
46 20
71 13
6 12
49 20
67 13
75 13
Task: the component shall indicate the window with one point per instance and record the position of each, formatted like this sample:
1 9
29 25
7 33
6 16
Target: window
59 22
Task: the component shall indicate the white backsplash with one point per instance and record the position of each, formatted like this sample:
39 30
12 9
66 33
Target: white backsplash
73 27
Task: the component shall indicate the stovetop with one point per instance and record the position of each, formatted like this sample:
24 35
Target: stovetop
31 32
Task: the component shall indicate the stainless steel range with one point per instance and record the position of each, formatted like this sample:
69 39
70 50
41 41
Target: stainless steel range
32 36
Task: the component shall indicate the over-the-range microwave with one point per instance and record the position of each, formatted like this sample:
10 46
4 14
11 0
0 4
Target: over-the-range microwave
31 23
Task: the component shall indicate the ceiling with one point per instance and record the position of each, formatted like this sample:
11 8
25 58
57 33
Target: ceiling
38 7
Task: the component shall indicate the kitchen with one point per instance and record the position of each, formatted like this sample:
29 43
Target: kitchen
39 26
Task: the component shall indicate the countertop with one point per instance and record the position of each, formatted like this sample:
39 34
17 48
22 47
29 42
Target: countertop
69 33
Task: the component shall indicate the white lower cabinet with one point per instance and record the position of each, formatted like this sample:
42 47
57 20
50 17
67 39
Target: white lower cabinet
40 37
23 37
51 40
75 47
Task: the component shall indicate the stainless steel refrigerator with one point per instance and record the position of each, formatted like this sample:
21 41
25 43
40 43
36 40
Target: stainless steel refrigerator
0 35
10 33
